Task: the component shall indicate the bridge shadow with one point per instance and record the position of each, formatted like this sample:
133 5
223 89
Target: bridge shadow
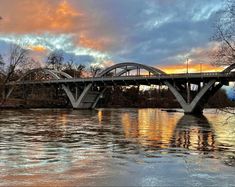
194 133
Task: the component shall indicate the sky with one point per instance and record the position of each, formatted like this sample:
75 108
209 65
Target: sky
159 33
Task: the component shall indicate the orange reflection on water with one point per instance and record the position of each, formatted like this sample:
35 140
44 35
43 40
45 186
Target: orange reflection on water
150 126
156 128
63 118
130 126
100 116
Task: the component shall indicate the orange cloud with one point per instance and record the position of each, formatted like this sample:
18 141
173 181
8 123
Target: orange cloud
37 48
97 44
63 16
192 68
54 17
86 42
26 16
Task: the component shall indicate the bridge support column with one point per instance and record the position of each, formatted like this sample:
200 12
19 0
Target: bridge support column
188 87
7 92
86 100
195 106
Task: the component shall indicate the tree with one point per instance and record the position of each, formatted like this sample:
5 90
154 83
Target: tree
2 74
225 35
16 58
79 70
31 64
55 60
1 61
75 70
95 69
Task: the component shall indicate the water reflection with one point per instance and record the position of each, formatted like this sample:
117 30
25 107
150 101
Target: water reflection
88 144
163 130
152 128
194 132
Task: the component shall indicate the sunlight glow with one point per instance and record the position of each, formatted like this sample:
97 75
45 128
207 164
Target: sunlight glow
193 68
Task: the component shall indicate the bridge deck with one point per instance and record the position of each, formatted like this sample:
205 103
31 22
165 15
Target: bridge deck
122 80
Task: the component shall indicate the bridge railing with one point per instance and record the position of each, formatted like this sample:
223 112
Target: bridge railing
175 75
159 76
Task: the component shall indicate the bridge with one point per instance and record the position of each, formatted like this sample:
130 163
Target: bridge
191 90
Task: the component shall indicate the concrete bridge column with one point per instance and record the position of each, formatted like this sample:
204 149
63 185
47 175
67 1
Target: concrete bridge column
195 106
188 89
86 100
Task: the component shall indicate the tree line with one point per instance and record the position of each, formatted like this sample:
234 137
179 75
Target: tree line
18 61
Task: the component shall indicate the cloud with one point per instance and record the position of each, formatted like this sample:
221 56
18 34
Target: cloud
27 16
199 59
165 29
37 48
41 45
54 17
152 32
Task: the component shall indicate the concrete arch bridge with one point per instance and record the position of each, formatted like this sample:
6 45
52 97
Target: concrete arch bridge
84 93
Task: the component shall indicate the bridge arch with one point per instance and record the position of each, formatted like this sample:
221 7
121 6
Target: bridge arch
129 66
53 73
90 98
229 68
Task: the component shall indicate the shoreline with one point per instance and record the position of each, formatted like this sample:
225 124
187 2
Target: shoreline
166 109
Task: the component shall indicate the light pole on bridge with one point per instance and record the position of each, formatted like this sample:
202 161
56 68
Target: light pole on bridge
187 66
200 67
188 83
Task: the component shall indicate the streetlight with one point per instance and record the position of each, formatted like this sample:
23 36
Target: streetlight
187 65
187 85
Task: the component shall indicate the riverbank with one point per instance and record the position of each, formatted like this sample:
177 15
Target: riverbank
63 103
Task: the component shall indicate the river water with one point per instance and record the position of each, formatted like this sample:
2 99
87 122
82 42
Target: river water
116 147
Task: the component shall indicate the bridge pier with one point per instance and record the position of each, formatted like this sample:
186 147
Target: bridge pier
197 104
87 99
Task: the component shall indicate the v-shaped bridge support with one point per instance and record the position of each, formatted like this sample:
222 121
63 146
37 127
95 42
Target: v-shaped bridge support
197 104
87 99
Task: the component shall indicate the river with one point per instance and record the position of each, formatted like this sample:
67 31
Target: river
116 147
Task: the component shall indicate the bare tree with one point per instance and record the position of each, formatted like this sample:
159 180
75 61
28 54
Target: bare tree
225 35
16 58
1 64
95 69
80 69
55 60
31 64
73 69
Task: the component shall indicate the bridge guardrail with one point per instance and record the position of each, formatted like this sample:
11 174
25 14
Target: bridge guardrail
129 77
